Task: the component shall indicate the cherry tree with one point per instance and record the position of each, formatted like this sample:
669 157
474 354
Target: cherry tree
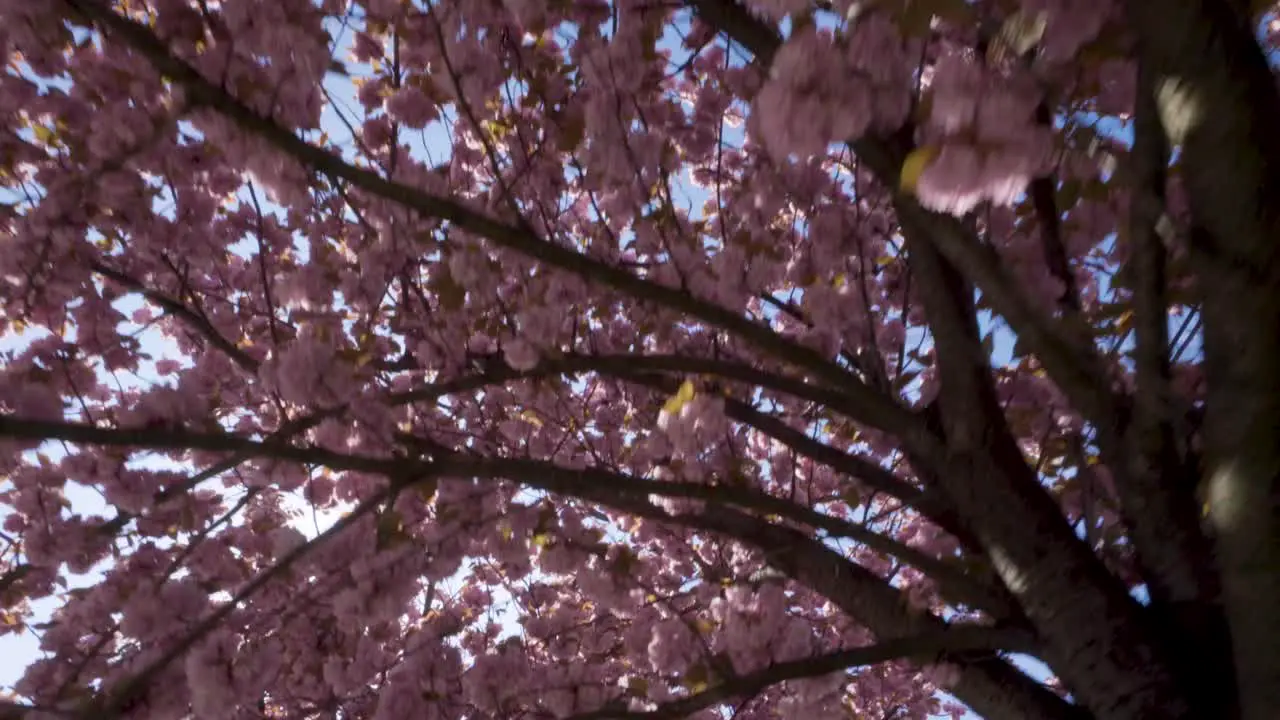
646 358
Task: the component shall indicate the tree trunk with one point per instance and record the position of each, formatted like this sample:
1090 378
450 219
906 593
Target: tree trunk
1218 99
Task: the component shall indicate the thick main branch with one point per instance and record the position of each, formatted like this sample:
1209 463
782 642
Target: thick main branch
926 647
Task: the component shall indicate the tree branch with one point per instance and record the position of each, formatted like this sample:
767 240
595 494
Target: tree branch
516 238
161 438
1217 98
1037 554
116 701
641 369
10 710
1155 457
1064 350
954 640
576 482
998 688
537 474
277 447
875 410
1074 364
989 685
931 504
1043 192
1163 516
182 312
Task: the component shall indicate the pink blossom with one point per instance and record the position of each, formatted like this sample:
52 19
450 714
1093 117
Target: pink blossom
812 97
410 106
520 354
310 306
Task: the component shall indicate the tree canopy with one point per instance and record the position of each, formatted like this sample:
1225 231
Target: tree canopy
523 359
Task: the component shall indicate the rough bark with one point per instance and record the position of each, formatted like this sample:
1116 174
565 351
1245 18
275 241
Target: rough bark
989 685
1062 346
1218 100
1178 567
1102 663
1095 635
742 688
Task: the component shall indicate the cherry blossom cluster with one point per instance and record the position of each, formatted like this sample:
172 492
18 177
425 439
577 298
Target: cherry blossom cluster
823 89
455 359
988 144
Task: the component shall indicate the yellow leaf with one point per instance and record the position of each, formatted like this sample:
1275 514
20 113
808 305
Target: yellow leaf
45 135
1124 321
914 166
680 399
531 417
